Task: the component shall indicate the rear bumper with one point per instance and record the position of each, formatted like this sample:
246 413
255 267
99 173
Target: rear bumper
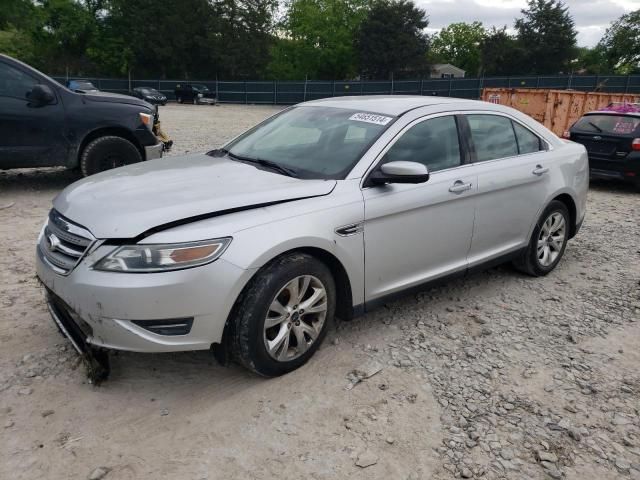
154 151
207 100
626 169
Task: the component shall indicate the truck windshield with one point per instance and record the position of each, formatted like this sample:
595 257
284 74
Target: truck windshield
312 142
609 124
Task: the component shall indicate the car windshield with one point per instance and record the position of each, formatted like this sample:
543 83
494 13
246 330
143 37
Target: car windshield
609 124
79 85
199 87
311 142
147 90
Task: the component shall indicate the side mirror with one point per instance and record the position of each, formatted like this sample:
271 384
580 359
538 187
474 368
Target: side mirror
41 95
399 172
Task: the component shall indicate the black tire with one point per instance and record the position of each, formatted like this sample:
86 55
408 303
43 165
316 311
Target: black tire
251 310
179 99
529 262
195 100
108 152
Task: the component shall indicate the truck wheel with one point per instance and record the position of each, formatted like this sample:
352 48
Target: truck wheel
282 316
108 152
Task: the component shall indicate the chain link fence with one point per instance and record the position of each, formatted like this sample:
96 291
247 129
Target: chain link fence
290 92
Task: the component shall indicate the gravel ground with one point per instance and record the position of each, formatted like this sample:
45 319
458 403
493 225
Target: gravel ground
494 376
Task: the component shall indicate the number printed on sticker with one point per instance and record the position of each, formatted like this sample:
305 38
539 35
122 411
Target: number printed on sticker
370 118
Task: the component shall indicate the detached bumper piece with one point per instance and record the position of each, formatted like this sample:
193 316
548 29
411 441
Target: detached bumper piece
77 331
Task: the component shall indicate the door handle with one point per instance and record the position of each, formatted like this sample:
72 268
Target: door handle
459 186
540 170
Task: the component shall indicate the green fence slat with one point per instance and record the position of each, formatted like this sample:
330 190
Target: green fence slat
291 92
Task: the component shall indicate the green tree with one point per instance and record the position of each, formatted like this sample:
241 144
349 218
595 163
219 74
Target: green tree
17 21
16 13
548 36
315 39
65 28
391 40
459 44
620 45
193 39
591 60
243 37
165 38
500 53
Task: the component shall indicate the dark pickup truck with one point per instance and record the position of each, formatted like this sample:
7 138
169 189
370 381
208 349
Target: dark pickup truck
194 93
44 124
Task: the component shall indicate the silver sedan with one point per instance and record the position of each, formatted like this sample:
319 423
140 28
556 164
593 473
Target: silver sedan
328 208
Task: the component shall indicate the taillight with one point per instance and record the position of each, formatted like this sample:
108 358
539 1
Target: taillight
635 145
566 135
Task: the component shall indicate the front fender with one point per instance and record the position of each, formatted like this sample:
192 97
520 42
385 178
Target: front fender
254 247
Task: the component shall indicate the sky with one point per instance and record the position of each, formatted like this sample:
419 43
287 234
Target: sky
592 17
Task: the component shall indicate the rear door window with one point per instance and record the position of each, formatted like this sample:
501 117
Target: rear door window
609 124
493 137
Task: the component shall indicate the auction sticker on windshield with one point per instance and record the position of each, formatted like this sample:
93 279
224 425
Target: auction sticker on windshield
370 118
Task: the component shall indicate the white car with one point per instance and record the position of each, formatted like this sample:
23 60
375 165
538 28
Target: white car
330 207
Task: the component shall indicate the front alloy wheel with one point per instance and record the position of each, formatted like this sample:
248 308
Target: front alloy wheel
295 318
281 317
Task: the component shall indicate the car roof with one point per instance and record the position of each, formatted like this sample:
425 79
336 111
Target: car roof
394 105
613 112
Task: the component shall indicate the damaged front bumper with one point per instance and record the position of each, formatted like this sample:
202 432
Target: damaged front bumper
77 331
157 312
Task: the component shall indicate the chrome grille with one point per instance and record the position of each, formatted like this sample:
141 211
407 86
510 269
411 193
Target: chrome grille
63 243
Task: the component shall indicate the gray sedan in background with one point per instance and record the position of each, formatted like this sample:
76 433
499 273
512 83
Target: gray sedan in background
328 208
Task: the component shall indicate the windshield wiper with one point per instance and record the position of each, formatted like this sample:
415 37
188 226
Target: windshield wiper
276 166
289 172
596 127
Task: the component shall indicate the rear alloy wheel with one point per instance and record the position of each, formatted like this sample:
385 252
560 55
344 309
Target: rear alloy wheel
548 241
551 239
179 99
282 316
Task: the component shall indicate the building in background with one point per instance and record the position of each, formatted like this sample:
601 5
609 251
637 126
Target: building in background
446 70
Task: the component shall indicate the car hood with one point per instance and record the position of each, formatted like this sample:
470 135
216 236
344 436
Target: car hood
126 202
113 98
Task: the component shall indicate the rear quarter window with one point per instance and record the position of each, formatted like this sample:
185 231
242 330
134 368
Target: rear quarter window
528 142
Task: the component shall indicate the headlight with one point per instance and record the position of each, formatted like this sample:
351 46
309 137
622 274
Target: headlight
147 119
162 257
